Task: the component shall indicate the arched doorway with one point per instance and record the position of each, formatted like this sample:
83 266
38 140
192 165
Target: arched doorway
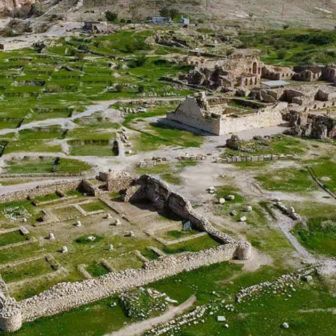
255 68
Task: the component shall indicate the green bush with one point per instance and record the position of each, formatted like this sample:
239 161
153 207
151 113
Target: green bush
164 12
120 88
282 54
110 16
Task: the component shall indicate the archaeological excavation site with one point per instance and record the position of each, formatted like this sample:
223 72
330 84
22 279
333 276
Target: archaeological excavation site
167 168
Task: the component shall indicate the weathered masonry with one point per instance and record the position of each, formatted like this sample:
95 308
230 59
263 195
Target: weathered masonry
222 119
65 296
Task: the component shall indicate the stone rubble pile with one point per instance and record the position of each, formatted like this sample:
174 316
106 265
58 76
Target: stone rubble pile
290 212
284 285
148 163
198 157
194 317
129 110
139 304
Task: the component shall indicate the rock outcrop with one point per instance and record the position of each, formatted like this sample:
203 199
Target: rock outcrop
8 6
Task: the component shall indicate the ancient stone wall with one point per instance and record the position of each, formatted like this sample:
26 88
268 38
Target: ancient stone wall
268 117
190 113
86 187
65 296
39 191
10 313
157 191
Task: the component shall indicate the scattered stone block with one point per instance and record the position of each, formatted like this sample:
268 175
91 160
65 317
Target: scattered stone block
24 231
243 219
249 208
51 236
221 201
285 325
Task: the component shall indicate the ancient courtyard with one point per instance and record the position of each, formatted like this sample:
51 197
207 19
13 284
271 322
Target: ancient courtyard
160 176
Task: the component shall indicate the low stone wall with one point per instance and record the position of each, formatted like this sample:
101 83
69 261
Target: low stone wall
65 296
39 191
270 157
7 176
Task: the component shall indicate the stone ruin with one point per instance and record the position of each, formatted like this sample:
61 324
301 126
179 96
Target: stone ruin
65 296
10 313
220 118
233 142
162 197
313 126
242 69
116 181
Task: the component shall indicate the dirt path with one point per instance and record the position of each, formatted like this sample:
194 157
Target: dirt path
141 327
68 122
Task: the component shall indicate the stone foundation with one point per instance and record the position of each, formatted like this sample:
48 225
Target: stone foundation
65 296
39 191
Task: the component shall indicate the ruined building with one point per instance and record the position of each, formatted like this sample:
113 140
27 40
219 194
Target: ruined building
315 126
198 113
241 69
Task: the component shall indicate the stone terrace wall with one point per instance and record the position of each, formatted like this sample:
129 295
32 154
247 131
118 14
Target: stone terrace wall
39 191
65 296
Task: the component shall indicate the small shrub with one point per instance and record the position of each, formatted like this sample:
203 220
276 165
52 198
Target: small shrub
141 89
120 88
110 16
164 12
282 54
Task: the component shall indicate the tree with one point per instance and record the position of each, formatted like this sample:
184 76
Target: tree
164 12
174 13
110 16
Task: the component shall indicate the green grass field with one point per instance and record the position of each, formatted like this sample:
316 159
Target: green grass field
193 245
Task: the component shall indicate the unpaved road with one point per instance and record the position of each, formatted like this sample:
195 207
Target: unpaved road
141 327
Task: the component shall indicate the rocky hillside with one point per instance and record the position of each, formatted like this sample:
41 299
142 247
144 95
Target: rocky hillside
256 13
7 6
